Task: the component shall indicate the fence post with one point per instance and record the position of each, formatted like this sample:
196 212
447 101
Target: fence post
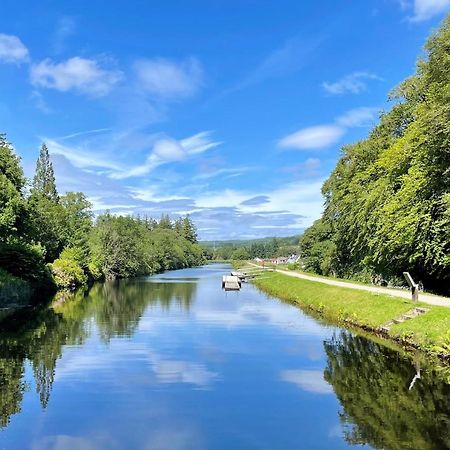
413 286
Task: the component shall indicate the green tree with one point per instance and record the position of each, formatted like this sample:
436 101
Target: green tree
13 214
387 202
46 212
240 254
44 178
189 231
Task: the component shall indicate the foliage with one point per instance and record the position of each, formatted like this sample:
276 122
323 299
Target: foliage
257 248
240 254
45 227
387 202
12 203
67 269
13 289
26 262
44 178
126 246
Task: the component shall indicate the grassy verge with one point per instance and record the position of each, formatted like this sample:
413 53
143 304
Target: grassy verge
364 309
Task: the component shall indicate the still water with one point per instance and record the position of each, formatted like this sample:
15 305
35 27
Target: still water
172 362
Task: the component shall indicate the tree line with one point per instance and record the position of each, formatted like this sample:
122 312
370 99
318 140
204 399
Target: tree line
49 240
387 202
258 248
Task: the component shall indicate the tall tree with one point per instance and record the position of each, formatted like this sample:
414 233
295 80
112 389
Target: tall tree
46 211
44 177
189 231
387 202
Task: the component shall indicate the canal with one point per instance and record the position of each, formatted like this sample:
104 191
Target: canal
173 362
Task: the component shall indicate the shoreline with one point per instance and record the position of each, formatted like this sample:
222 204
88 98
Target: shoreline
366 311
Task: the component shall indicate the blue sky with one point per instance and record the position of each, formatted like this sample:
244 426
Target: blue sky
231 111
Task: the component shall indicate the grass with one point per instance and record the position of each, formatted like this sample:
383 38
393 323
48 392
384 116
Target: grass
403 287
364 309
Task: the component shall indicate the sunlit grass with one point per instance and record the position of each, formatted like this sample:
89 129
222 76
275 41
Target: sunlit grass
362 308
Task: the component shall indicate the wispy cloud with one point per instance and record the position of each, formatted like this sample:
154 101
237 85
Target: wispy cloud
322 136
83 75
315 137
109 152
169 79
12 50
423 10
167 150
354 83
65 27
294 54
358 117
83 133
82 157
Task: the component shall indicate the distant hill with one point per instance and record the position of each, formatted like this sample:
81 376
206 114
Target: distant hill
289 240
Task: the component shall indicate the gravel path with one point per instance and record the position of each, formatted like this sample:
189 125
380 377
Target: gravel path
425 298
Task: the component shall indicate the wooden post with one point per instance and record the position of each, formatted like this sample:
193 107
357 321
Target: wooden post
414 287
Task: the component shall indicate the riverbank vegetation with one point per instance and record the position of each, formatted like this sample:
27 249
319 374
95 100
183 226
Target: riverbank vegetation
50 241
387 202
249 249
366 310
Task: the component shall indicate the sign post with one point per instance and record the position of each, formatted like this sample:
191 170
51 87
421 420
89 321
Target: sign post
413 286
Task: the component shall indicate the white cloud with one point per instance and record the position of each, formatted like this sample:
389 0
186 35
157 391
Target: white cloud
78 74
307 380
313 137
167 150
358 117
169 79
355 83
321 136
81 157
426 9
12 49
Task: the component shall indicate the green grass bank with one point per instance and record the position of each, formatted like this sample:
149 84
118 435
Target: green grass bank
370 311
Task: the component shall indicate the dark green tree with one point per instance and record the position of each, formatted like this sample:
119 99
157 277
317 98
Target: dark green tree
189 231
13 216
44 178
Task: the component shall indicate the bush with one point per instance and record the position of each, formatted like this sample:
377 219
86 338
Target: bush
67 273
27 263
13 289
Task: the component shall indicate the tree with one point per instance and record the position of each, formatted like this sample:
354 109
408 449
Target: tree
240 254
47 214
189 231
387 202
12 204
77 221
44 178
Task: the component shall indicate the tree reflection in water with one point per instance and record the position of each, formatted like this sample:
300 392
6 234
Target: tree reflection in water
372 384
38 335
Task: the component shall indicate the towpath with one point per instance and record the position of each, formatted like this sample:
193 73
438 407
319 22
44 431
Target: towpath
425 298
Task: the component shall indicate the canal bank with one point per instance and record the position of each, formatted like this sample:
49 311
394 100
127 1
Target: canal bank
391 317
175 362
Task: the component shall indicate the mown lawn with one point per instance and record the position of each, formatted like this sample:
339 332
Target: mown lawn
362 308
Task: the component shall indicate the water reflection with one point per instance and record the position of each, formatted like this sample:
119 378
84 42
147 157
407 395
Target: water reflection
173 362
372 384
38 335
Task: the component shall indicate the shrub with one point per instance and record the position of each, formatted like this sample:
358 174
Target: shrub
13 289
67 273
26 262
